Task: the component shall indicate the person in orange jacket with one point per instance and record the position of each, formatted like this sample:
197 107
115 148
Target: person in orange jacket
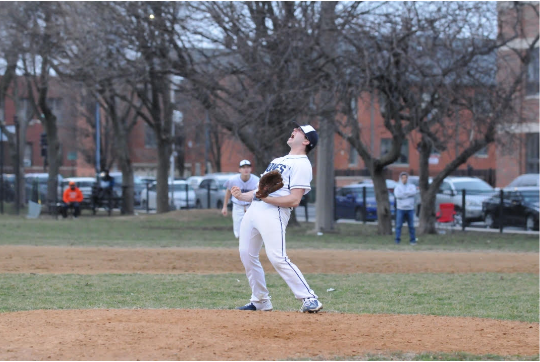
72 199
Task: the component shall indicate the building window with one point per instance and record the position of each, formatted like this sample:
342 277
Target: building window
55 104
27 155
149 137
533 74
482 153
531 153
25 111
353 155
386 145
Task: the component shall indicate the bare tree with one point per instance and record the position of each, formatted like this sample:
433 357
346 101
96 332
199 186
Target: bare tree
483 91
420 66
41 39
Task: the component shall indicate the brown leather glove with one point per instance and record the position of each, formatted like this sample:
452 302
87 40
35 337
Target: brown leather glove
269 183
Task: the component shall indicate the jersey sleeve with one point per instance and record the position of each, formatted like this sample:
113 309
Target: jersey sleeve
301 176
228 184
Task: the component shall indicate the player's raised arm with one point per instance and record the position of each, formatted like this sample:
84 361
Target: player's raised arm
247 196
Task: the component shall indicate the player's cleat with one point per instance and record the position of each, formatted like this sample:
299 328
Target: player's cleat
311 305
248 306
265 306
413 242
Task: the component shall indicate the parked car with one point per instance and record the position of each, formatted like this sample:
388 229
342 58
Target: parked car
40 179
390 184
138 186
179 202
520 208
85 184
528 179
212 187
349 202
194 181
477 190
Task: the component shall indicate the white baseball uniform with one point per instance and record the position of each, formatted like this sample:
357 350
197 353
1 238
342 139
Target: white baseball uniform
265 223
240 207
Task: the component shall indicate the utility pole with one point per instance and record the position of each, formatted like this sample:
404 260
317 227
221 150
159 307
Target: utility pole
17 167
1 172
98 140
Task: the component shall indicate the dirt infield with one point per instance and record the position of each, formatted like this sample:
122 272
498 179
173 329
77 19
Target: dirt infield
236 335
143 334
29 259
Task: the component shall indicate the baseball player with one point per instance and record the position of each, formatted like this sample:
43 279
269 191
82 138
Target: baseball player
266 220
246 182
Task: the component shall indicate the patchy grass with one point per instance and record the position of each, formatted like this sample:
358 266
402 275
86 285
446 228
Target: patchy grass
207 228
511 297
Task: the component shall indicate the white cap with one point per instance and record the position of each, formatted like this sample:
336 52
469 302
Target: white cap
245 163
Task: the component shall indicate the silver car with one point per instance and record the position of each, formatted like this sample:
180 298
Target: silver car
476 191
211 191
179 191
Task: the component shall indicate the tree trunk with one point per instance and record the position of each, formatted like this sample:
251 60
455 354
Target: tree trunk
428 192
53 158
124 161
427 212
324 219
164 152
384 214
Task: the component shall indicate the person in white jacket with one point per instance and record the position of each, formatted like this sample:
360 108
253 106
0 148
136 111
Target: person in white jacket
405 193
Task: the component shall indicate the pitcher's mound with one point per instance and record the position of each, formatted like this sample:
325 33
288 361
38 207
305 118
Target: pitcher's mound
238 335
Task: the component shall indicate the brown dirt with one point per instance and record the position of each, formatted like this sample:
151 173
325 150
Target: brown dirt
31 259
234 335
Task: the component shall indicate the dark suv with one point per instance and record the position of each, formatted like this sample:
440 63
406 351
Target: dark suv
520 208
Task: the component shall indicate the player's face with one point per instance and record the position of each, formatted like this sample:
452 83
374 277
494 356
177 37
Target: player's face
245 170
297 137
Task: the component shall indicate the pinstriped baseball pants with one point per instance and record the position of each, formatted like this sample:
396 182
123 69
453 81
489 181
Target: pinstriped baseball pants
265 223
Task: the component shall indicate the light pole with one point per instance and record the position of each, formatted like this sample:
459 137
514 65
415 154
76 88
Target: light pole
1 172
177 118
17 167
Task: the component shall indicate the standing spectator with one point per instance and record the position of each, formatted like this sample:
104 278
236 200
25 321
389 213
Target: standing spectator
72 199
246 182
404 193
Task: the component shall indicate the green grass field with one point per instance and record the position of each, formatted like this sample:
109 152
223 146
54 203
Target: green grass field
210 229
484 295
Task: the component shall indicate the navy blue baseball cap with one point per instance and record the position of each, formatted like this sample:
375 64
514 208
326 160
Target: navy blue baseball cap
311 134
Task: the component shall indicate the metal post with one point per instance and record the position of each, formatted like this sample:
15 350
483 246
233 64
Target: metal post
172 205
17 168
1 172
147 200
306 208
208 196
501 211
364 204
187 197
463 213
335 210
98 139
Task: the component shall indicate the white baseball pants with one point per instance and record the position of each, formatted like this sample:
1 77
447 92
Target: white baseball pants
238 212
265 223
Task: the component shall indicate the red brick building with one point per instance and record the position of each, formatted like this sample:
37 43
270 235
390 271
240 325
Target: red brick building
519 154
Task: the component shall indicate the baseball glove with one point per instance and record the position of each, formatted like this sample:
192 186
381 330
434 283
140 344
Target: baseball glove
269 183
